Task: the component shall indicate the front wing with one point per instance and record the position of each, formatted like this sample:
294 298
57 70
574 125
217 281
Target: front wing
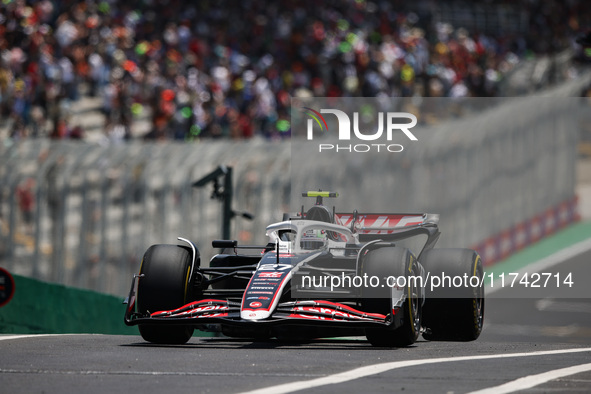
226 312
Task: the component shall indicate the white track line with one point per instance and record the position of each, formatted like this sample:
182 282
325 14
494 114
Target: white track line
384 367
534 380
550 261
7 337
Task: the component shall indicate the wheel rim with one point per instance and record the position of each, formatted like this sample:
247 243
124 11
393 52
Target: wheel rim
414 304
479 303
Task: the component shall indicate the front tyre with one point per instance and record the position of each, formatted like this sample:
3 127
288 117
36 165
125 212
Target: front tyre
164 284
395 262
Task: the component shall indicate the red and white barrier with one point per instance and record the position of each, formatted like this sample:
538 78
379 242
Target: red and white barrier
509 241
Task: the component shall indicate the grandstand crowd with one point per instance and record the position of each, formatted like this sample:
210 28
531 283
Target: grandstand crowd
227 69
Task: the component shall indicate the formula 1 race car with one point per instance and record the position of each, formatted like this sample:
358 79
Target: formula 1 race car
322 274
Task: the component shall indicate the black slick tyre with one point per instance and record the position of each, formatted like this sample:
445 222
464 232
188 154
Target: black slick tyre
453 313
164 284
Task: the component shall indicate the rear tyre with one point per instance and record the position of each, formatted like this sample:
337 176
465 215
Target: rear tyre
456 313
396 262
164 285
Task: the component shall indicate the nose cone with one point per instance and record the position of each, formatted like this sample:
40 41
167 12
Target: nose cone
248 314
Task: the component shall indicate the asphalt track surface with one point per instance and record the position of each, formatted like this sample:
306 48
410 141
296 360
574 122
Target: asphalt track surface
536 344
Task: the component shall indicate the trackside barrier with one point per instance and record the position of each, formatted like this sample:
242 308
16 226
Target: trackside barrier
500 246
83 214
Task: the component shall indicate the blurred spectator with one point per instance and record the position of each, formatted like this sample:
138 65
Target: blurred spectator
226 69
26 202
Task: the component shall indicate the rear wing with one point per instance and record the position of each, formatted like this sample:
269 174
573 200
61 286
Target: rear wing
384 223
